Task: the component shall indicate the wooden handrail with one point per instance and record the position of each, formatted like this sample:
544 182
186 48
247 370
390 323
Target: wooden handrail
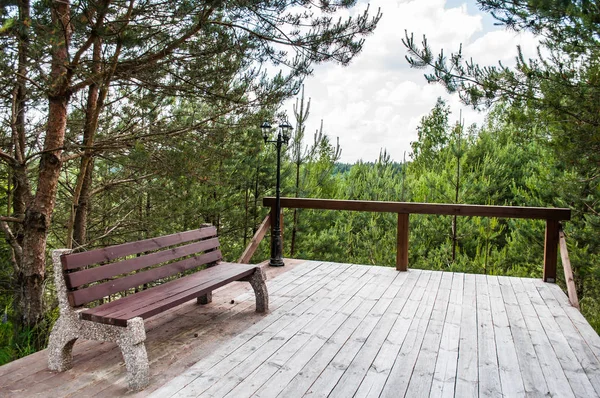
404 209
540 213
256 239
564 255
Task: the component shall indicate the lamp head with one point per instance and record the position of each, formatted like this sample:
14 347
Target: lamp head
266 130
286 130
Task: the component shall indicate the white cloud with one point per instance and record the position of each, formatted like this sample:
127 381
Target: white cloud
378 100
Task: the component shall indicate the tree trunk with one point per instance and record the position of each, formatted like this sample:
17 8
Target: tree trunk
456 192
246 215
76 235
295 217
255 206
30 276
83 206
21 194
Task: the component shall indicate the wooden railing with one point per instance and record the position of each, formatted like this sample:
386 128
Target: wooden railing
552 216
569 281
256 239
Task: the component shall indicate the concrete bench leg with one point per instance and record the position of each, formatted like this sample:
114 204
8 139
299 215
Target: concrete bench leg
68 328
60 346
257 281
131 343
136 362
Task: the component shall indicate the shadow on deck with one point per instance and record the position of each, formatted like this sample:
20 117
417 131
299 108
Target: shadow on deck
348 330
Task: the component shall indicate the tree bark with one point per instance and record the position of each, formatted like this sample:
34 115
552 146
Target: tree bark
295 218
30 277
83 206
76 236
21 194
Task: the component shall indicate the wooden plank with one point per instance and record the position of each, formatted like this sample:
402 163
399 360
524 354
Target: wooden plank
569 281
583 352
256 239
377 374
166 296
107 271
293 278
402 242
312 285
101 374
489 376
580 384
256 348
78 260
557 382
191 352
309 285
331 346
356 372
242 303
444 378
401 372
542 213
346 298
338 365
583 327
534 382
511 379
467 378
421 380
88 294
287 370
550 250
359 323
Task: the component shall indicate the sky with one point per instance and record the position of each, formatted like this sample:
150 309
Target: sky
378 101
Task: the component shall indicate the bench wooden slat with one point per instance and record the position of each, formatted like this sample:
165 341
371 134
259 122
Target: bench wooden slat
78 260
156 293
166 296
107 271
208 280
86 295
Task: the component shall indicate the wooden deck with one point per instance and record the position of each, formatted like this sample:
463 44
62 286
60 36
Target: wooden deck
343 330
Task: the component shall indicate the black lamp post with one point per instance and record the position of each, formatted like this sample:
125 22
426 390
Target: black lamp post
283 136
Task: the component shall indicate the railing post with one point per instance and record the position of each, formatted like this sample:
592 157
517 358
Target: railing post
402 243
551 250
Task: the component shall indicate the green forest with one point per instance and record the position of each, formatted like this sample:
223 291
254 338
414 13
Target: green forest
125 120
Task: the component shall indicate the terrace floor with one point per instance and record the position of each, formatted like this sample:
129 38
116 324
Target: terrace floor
344 330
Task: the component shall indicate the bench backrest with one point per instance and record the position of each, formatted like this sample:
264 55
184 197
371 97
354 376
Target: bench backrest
99 273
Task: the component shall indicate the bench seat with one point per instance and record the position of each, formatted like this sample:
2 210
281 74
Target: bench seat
153 301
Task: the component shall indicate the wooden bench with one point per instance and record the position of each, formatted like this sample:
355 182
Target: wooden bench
104 275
